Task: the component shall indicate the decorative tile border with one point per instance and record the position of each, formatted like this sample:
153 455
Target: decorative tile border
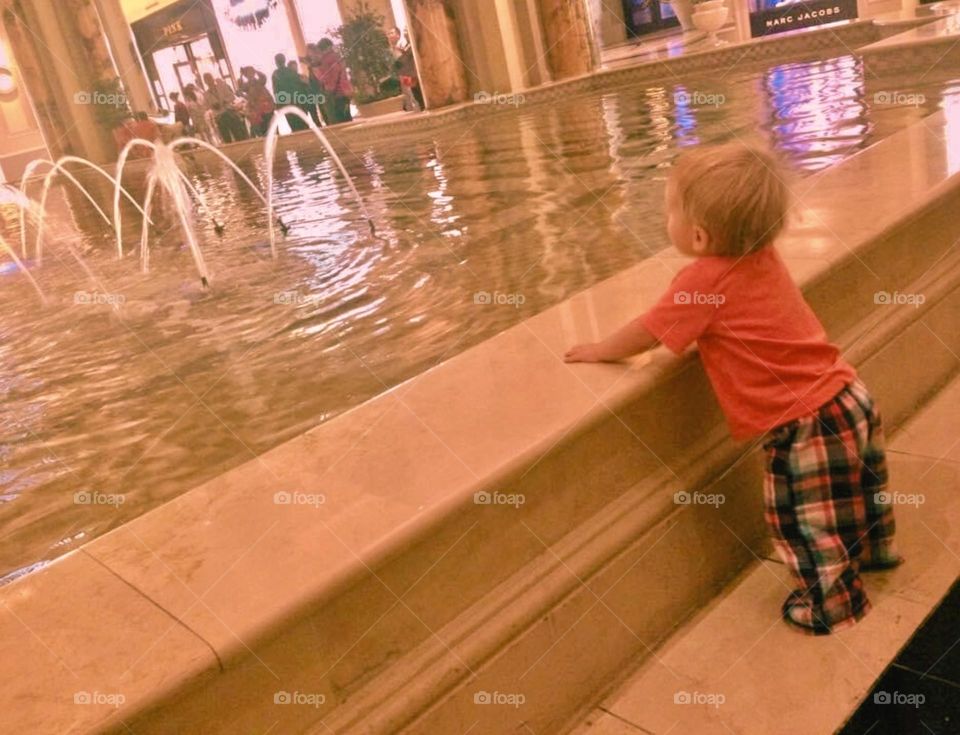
925 57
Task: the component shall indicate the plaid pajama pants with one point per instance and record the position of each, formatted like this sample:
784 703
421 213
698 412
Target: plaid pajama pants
823 476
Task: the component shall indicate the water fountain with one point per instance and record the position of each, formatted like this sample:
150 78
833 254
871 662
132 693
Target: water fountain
9 195
269 152
59 166
165 173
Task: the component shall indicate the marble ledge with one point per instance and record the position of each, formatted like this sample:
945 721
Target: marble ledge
738 643
939 30
233 564
214 555
80 646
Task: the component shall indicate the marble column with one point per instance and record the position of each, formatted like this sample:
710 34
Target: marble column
296 27
502 44
43 93
568 36
125 54
63 54
438 52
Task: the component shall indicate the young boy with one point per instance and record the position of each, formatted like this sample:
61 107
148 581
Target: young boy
776 377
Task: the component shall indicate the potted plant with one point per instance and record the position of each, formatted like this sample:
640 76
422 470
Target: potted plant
365 49
709 17
110 107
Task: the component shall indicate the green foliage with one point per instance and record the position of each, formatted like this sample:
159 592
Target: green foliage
365 49
110 105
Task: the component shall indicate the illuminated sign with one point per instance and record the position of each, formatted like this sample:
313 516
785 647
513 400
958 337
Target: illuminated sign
793 15
178 23
173 29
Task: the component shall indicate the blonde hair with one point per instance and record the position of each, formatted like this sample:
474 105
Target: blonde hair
737 193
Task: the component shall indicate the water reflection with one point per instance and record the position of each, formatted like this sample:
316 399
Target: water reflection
541 201
817 110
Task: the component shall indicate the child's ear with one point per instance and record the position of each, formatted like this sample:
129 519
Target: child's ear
701 240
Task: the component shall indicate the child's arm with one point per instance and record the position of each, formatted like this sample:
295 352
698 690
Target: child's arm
630 339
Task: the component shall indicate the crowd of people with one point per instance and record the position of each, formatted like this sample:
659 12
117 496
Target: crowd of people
212 110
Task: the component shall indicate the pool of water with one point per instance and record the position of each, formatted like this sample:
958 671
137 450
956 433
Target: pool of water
110 412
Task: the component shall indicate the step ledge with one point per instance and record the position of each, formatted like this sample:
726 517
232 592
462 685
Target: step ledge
643 375
640 699
427 675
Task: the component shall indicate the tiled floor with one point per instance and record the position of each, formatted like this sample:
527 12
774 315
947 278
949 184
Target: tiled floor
736 668
920 691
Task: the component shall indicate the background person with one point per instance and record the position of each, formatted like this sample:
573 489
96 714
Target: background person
290 89
193 99
248 76
181 114
406 69
312 89
331 74
139 126
260 106
220 101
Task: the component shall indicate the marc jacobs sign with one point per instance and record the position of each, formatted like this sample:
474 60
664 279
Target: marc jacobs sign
792 16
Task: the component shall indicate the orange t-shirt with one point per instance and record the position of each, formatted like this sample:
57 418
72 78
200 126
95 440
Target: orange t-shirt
763 348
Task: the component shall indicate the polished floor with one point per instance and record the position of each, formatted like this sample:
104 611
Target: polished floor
929 667
743 671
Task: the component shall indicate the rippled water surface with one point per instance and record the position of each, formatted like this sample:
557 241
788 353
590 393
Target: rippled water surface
137 404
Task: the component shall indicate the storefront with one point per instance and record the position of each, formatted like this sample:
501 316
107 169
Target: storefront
648 16
768 17
179 44
625 20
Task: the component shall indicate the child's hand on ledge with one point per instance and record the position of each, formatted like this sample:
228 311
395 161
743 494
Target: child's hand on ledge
587 352
631 339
